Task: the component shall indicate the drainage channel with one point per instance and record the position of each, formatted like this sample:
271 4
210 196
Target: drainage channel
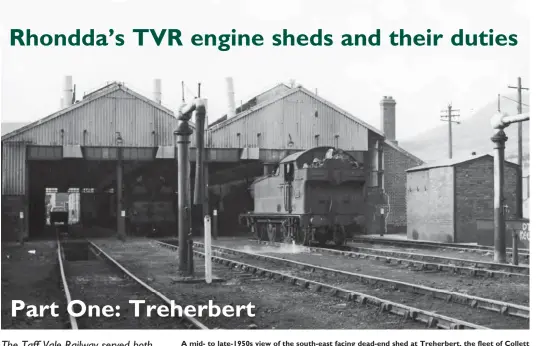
89 275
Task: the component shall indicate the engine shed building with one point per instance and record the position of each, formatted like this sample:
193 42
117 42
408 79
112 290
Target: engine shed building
115 134
446 198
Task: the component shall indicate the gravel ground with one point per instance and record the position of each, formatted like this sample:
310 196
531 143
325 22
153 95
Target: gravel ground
97 282
514 290
33 278
458 311
278 305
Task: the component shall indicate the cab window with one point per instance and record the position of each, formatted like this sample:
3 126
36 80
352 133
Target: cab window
289 171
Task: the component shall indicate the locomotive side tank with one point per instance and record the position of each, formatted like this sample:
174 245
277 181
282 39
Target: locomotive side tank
314 195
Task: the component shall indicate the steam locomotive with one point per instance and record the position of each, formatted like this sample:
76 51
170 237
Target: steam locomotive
312 196
151 208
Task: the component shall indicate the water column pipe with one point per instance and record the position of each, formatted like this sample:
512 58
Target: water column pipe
199 185
499 122
183 133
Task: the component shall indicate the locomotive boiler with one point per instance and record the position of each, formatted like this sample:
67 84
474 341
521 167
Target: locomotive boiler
314 195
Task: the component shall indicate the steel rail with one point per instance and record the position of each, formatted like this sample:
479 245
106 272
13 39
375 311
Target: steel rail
501 307
73 322
434 245
189 321
431 319
440 263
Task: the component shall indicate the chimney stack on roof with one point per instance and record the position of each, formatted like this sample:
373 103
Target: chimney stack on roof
231 97
67 92
387 118
158 91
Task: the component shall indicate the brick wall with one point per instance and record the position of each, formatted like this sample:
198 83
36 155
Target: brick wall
417 204
430 204
396 163
474 195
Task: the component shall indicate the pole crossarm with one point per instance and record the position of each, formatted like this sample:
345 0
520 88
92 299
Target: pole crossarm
500 121
515 87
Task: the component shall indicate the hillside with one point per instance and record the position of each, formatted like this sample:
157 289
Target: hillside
473 134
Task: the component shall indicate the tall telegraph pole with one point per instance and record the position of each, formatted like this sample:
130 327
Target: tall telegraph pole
449 117
519 194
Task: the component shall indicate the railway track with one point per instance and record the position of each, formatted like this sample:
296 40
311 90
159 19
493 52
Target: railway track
391 296
423 261
89 274
523 254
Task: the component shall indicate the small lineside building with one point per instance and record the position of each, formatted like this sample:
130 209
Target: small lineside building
445 198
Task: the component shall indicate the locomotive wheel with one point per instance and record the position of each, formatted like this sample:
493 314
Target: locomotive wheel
339 235
284 234
321 235
303 236
259 231
272 232
262 233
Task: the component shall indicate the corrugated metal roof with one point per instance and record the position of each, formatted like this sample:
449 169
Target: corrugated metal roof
451 162
290 92
297 121
101 92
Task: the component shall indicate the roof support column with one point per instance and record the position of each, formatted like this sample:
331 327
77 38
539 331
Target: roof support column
121 232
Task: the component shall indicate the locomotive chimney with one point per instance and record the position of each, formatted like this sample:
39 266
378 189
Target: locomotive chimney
158 91
387 118
231 97
67 92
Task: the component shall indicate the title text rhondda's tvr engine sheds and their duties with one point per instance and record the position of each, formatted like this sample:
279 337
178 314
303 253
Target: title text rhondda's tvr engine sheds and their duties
224 42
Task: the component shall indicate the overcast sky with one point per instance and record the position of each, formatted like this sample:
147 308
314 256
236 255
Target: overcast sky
423 80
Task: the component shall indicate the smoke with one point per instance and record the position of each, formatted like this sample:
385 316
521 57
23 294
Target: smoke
279 248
